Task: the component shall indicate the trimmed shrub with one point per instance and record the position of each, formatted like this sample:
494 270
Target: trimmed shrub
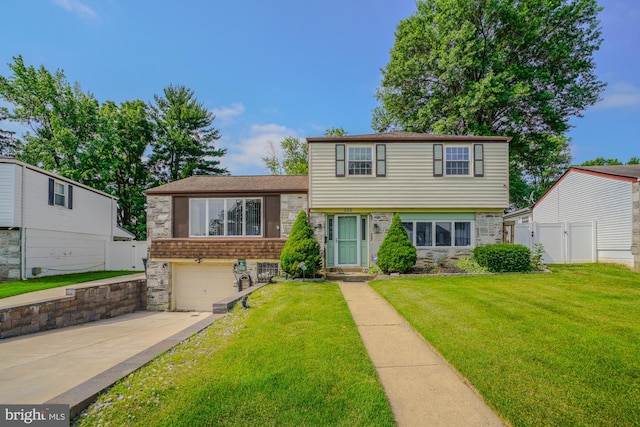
301 247
396 253
503 257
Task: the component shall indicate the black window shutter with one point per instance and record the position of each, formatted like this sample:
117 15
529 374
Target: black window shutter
437 159
381 160
340 160
70 197
51 191
478 158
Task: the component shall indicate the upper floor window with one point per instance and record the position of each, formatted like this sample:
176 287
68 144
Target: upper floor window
439 233
359 160
457 161
60 194
225 217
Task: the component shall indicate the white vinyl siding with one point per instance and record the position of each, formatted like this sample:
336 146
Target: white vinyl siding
409 181
585 197
10 190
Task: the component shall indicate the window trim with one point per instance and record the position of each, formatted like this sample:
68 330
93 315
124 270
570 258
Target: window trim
65 196
468 161
225 219
433 222
371 161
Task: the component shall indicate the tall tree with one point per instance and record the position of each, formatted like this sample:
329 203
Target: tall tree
118 165
185 137
493 67
295 157
63 119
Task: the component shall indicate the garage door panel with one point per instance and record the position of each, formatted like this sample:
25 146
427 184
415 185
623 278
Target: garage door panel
197 287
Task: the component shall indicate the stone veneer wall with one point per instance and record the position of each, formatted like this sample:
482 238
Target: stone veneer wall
635 228
10 255
290 207
81 305
158 272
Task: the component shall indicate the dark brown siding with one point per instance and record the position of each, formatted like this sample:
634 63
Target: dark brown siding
217 248
180 216
272 216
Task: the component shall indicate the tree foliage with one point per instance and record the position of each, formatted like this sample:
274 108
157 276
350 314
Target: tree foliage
300 249
184 142
62 118
494 67
396 254
295 157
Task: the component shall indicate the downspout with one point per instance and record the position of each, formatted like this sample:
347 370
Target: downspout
23 230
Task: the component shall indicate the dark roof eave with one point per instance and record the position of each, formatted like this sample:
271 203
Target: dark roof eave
409 137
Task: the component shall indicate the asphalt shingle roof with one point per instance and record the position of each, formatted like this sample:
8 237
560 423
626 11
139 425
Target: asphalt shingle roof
628 171
235 184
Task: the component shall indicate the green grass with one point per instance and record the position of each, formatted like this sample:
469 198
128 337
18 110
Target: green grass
294 358
17 287
560 349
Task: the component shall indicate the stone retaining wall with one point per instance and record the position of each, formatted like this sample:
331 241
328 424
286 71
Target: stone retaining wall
80 305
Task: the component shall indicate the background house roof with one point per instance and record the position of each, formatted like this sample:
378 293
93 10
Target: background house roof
629 171
235 184
408 136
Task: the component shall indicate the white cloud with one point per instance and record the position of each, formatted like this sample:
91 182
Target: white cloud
619 95
77 7
225 115
244 154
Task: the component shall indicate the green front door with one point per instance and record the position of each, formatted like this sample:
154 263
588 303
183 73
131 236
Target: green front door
347 240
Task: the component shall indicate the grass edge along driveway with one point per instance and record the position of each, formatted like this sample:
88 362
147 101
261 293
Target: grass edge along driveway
553 349
294 358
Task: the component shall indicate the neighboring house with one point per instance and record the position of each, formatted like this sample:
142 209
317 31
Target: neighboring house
520 216
199 227
450 192
604 201
52 225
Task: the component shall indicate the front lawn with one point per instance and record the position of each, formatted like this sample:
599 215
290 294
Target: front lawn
558 349
294 358
17 287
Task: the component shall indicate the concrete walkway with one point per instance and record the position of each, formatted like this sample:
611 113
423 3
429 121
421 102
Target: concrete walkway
422 388
72 365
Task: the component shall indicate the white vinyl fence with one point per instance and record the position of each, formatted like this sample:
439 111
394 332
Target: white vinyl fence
563 243
125 255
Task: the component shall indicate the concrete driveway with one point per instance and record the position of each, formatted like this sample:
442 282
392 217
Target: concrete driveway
73 364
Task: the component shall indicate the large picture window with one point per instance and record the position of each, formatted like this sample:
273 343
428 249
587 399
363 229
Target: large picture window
439 233
225 217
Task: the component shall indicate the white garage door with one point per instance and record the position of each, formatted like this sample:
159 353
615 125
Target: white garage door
196 287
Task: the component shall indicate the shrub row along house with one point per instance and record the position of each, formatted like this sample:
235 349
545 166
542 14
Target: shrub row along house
450 192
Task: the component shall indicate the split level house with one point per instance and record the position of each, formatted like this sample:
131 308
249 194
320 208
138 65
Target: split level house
52 225
450 192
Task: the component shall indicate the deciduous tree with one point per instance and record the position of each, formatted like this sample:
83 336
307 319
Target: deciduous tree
493 67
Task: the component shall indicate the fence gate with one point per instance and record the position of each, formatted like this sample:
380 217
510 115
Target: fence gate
563 242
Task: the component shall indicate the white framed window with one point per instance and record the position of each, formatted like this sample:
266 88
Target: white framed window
59 194
439 233
360 160
456 160
228 217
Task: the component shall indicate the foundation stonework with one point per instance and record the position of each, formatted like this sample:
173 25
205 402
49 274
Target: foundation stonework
10 255
290 207
158 272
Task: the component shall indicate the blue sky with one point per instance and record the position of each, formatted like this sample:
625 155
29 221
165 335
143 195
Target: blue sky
271 69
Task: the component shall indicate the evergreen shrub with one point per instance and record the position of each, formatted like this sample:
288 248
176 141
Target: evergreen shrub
301 247
396 254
